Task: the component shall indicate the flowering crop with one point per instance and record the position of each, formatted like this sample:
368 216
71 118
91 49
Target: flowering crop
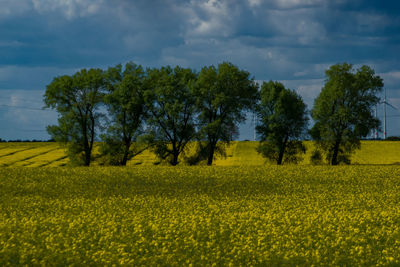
156 215
241 153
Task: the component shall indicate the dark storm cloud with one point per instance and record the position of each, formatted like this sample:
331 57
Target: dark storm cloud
289 40
282 34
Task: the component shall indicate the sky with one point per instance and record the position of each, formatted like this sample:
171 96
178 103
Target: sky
291 41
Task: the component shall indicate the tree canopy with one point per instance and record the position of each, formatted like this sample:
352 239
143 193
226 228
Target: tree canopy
343 111
283 121
77 99
223 95
169 107
126 109
172 112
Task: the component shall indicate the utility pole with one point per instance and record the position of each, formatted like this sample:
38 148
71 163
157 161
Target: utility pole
384 120
385 103
376 135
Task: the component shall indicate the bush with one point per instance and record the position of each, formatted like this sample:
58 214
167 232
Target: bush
392 138
316 158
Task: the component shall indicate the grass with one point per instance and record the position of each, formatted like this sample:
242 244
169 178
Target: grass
223 215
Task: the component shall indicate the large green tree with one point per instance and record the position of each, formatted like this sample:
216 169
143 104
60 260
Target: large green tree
172 112
223 95
343 112
77 99
283 121
126 110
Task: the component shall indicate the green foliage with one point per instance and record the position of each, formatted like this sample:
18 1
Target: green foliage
291 155
316 157
115 152
126 109
172 112
77 99
223 95
392 138
283 120
201 152
343 110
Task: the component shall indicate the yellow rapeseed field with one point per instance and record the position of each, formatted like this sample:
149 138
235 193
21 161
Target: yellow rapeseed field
238 153
181 216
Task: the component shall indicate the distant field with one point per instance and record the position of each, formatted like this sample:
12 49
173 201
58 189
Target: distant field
241 153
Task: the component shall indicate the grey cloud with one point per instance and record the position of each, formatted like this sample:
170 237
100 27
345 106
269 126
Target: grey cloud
12 8
70 8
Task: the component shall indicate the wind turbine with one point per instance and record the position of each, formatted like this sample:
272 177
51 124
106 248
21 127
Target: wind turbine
255 125
376 134
385 103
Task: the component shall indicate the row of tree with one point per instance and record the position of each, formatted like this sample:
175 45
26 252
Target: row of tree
164 109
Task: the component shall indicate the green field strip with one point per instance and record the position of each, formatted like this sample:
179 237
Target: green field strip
228 159
145 158
387 152
20 155
3 147
246 154
32 157
16 151
21 145
55 153
47 164
10 150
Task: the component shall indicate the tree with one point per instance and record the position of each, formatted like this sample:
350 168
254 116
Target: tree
172 112
343 110
283 117
126 108
223 95
77 99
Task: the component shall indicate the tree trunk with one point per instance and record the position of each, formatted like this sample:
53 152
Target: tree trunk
211 154
175 154
282 152
126 154
87 148
280 156
87 156
335 153
92 132
175 158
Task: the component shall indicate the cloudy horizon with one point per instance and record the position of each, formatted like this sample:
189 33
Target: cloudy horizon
291 41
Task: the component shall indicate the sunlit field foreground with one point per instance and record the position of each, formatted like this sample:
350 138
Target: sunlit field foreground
176 216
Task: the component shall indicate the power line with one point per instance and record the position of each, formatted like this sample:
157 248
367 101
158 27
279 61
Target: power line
22 130
21 107
20 99
29 130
